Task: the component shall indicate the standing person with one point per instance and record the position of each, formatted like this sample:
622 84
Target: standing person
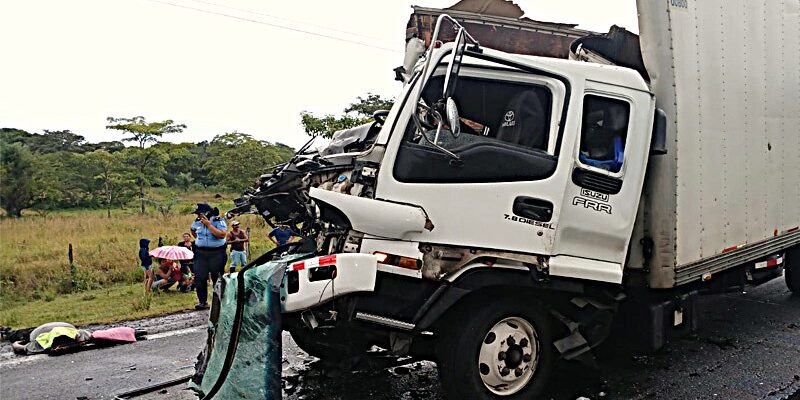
210 256
189 244
281 234
237 238
187 266
146 262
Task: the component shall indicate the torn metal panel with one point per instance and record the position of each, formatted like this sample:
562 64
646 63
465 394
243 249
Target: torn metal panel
502 32
507 9
439 261
618 46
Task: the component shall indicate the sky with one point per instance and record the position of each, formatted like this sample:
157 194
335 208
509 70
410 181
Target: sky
71 64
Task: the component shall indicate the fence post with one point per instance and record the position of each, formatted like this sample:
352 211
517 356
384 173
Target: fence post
73 271
247 245
160 241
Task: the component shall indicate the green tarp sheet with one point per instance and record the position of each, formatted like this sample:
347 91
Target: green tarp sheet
256 369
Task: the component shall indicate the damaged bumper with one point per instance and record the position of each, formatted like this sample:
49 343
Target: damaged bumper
314 281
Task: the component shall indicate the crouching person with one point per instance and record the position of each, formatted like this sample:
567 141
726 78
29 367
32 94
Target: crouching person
185 279
164 274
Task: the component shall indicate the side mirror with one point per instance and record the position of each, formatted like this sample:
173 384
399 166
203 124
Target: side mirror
451 77
658 142
452 117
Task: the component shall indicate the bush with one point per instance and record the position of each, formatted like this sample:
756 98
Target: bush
142 302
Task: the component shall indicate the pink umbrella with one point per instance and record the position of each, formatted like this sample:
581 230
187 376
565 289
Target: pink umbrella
173 253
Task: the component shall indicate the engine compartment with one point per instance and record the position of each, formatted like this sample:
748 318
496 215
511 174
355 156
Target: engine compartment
282 196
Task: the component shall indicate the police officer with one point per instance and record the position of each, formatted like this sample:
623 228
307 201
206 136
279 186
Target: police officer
210 257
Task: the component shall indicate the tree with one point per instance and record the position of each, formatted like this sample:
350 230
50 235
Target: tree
182 159
115 182
184 181
13 135
16 182
237 159
142 131
148 165
367 106
54 141
355 114
110 146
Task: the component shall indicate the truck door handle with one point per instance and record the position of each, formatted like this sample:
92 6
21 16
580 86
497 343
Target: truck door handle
533 208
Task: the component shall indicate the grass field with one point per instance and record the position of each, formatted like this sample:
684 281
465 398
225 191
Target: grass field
99 306
37 281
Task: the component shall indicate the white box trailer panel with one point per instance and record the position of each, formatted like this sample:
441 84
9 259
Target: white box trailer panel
727 74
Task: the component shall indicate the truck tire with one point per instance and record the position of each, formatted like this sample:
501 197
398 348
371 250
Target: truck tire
502 350
791 268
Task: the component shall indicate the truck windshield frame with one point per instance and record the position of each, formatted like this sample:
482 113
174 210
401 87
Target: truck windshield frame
504 138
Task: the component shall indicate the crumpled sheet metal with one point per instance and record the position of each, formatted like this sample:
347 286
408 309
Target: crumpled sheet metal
256 369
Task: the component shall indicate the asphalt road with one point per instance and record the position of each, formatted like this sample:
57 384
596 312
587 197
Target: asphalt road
747 347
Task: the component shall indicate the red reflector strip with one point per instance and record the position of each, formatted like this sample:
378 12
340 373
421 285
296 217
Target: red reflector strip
327 260
298 266
729 249
773 262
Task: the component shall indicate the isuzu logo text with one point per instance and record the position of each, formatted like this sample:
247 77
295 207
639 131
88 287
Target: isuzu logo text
594 195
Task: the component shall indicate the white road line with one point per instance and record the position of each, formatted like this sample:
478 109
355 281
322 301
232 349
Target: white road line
177 333
11 362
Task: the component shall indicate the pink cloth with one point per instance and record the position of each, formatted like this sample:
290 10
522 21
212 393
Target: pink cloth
122 334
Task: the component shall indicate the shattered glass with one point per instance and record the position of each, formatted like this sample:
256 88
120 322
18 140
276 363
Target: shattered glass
256 369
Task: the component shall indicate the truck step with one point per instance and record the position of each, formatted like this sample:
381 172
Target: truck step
391 322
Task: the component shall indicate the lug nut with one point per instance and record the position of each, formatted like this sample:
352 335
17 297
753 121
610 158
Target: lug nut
501 356
505 371
524 342
518 372
510 341
526 358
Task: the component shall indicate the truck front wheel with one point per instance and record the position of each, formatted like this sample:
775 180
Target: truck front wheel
501 351
792 269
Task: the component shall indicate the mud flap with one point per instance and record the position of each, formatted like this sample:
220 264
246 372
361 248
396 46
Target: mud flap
648 322
256 369
588 321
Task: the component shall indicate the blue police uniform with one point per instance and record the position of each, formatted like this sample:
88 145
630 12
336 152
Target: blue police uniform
204 236
210 256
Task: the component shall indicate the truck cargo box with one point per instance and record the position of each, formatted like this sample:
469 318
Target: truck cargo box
726 74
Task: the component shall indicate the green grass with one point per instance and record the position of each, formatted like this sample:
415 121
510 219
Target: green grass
35 274
99 306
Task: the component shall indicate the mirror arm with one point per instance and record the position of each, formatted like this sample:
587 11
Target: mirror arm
415 117
435 36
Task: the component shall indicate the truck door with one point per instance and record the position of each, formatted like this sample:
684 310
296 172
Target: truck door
609 155
498 192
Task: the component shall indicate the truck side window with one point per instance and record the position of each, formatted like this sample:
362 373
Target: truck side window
603 132
505 130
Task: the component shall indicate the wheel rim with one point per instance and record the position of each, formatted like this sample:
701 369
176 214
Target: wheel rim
508 356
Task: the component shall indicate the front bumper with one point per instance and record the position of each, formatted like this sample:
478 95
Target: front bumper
314 281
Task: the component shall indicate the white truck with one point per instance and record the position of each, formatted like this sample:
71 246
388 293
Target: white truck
507 207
